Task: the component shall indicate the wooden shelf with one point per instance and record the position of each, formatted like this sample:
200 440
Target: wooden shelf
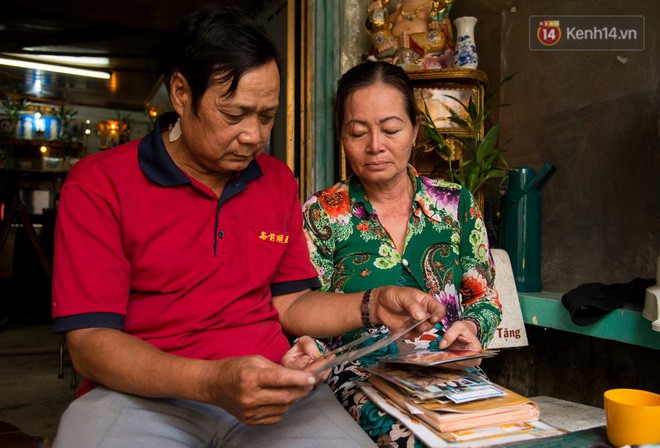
458 75
25 155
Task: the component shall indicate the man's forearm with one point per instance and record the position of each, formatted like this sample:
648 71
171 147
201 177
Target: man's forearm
125 363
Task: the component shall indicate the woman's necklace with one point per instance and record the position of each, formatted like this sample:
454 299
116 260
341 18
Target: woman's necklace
411 16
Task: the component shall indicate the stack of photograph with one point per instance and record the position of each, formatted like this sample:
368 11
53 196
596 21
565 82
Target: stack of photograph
446 407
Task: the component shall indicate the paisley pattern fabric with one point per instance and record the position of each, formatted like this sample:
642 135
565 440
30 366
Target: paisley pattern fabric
446 254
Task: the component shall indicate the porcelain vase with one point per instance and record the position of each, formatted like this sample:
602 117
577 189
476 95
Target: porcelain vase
465 55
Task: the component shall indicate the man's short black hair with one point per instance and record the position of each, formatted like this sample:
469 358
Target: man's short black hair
218 44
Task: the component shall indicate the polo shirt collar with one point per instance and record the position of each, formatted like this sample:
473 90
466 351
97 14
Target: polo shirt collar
239 183
154 159
159 167
363 209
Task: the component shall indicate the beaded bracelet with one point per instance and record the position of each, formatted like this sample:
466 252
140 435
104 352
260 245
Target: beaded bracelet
365 308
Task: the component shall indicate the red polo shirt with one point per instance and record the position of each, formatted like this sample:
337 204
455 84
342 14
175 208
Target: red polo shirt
144 248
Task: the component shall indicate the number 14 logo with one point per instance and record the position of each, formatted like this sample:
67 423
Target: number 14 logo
548 32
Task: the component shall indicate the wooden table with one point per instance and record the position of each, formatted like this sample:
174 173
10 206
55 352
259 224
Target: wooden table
585 425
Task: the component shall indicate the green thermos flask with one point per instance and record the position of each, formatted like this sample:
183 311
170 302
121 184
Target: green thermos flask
520 225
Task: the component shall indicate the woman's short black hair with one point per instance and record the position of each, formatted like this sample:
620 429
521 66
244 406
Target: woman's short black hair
218 44
369 73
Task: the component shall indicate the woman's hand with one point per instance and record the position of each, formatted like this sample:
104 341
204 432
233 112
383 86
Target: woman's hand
461 335
305 355
393 306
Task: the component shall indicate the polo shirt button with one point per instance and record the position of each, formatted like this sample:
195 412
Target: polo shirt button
405 262
221 234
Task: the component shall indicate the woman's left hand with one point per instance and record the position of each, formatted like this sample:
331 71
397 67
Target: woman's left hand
305 355
461 335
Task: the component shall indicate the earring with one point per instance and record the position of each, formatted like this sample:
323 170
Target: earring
175 132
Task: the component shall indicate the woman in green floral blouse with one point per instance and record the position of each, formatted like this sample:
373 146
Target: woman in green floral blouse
387 225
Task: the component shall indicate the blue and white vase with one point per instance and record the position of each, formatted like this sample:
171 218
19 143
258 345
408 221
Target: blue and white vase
465 55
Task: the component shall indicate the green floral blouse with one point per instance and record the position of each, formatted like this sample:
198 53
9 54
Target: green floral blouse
446 250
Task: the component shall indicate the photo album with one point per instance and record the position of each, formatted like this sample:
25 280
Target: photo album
440 401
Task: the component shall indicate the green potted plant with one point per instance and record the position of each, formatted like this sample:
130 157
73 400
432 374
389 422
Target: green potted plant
65 117
468 160
70 132
13 110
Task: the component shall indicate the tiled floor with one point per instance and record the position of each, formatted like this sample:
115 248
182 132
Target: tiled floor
33 397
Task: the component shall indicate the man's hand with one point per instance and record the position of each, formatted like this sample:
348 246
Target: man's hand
394 305
256 390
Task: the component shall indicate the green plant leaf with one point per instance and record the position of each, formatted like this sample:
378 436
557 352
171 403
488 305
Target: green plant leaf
458 101
492 93
459 121
496 173
482 158
490 160
472 110
487 145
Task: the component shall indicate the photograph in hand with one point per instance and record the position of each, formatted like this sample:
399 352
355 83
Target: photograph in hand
341 355
437 357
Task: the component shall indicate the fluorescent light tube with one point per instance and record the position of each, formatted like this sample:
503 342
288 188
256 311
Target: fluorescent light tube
54 68
92 62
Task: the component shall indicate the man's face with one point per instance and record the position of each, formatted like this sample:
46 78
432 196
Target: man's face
228 133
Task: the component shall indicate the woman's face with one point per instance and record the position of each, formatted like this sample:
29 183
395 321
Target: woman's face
377 134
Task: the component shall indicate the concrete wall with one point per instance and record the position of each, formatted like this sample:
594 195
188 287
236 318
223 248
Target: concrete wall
594 116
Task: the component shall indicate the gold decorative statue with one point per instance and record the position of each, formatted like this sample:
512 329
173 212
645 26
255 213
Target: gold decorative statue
383 43
424 24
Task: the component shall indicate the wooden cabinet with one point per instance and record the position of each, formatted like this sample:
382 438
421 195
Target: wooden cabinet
439 92
39 155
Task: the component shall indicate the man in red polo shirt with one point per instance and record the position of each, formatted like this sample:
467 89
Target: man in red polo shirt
180 264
